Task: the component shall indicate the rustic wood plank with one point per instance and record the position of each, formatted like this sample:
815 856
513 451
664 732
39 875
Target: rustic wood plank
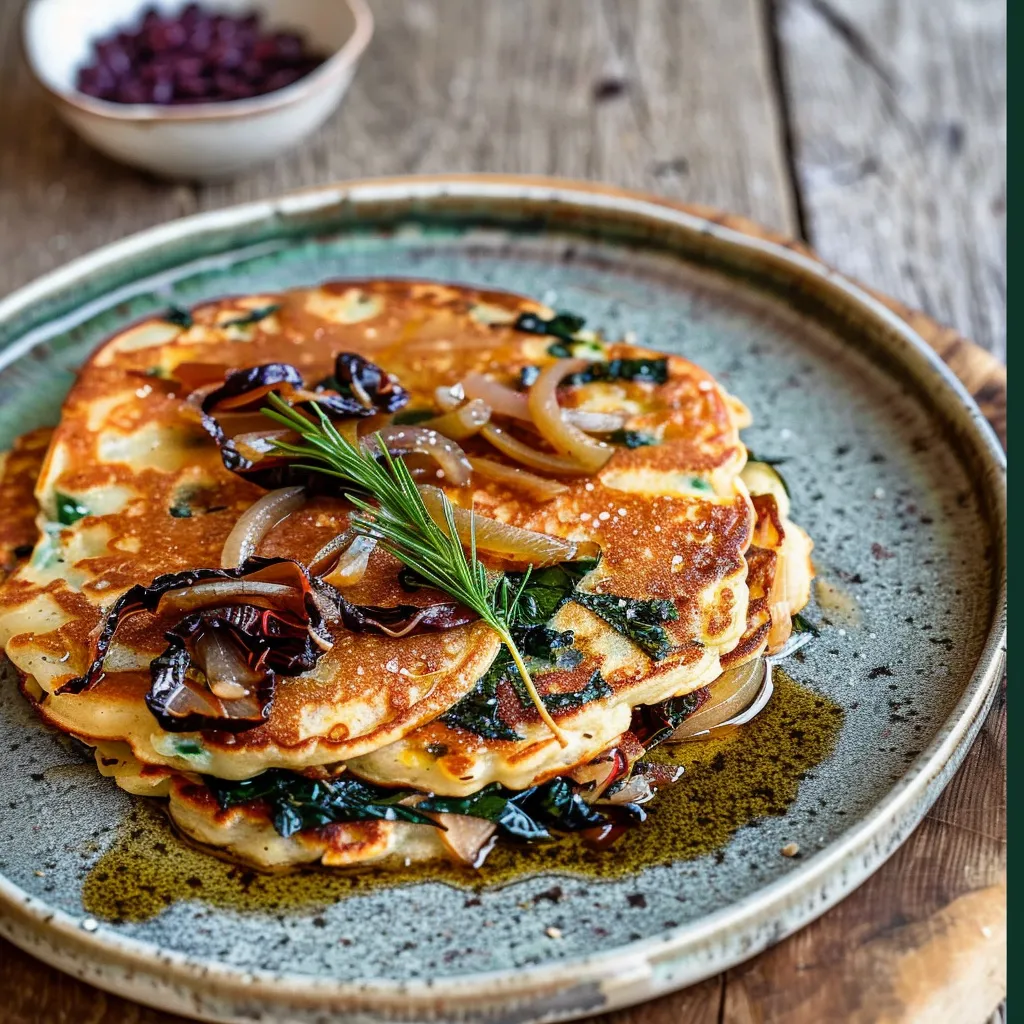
898 123
649 97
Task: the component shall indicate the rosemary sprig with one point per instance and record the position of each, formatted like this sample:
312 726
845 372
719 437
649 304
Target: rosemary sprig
400 522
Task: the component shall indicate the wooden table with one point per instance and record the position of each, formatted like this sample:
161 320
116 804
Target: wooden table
874 130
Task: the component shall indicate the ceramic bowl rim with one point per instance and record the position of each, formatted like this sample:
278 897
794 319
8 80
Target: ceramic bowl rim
860 850
336 66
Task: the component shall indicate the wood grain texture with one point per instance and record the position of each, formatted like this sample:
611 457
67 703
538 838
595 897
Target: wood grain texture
648 95
679 99
897 113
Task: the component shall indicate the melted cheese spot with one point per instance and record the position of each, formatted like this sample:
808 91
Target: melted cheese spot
350 307
150 334
153 447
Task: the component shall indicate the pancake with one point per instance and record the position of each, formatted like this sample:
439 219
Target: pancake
19 470
133 487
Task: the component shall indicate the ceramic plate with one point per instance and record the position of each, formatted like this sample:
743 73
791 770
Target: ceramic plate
894 473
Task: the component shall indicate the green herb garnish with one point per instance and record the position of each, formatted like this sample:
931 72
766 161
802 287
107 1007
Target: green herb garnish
180 511
298 803
399 521
179 317
254 316
637 620
69 510
632 438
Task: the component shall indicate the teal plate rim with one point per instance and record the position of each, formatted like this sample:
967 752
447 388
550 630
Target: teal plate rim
645 968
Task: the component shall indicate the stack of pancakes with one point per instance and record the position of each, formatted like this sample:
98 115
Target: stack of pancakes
150 495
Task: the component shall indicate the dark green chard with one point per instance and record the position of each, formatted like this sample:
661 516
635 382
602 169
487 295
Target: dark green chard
644 371
639 621
632 438
595 689
546 590
528 815
544 650
298 803
252 317
69 510
179 317
562 325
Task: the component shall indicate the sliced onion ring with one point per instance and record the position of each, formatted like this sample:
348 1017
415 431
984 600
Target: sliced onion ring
449 398
462 422
543 461
537 487
511 542
547 416
515 404
736 696
450 458
257 521
502 400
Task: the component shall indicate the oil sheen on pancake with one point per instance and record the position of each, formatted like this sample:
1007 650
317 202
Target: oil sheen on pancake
132 487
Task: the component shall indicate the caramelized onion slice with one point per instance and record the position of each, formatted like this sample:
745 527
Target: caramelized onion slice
546 413
227 672
536 487
259 445
257 521
503 401
450 458
595 422
511 542
735 698
647 778
216 592
508 445
462 422
352 563
468 840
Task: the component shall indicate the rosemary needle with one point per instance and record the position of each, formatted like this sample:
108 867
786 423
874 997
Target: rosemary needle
400 522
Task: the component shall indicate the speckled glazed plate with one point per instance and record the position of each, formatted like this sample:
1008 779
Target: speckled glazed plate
894 473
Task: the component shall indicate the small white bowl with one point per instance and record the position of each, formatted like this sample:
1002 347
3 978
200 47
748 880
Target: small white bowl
202 140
